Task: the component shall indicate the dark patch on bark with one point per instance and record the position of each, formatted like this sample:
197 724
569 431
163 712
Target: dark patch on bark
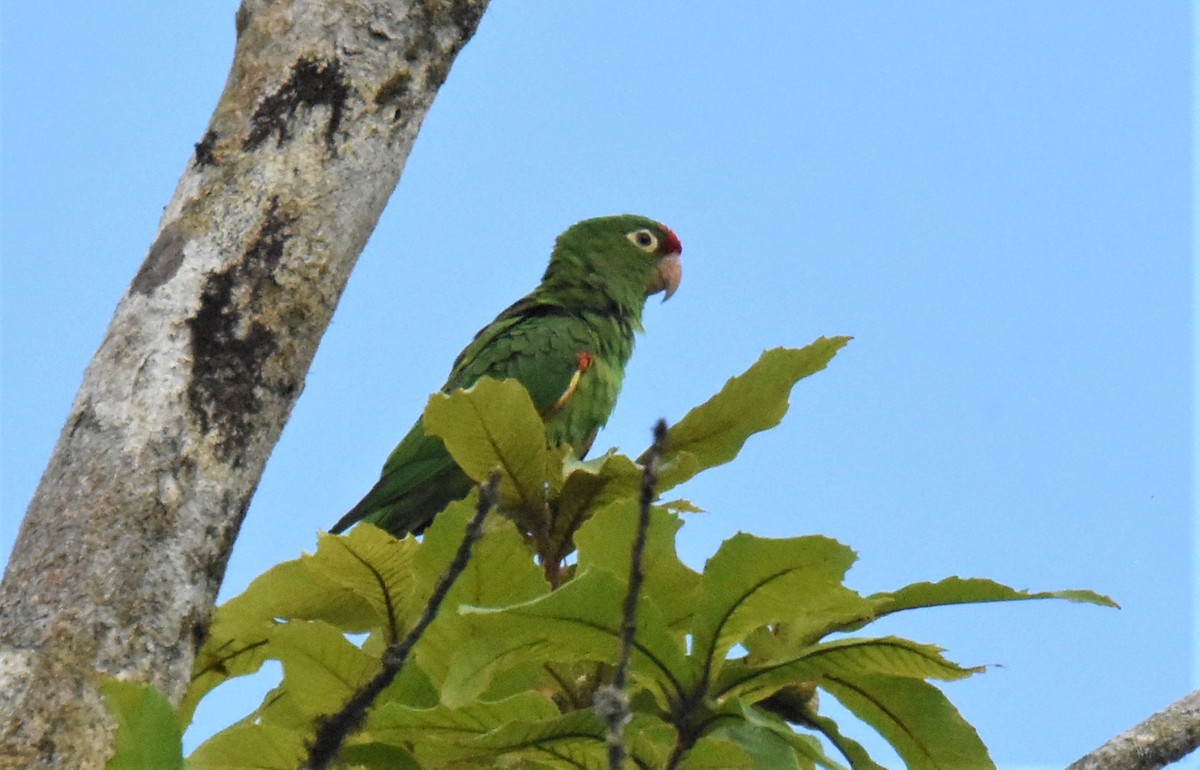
198 632
426 49
241 19
204 150
223 535
163 260
85 418
231 344
394 88
463 14
312 83
467 14
439 70
424 44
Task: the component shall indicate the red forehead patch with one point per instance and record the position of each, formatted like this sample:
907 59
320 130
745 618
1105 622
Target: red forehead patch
672 246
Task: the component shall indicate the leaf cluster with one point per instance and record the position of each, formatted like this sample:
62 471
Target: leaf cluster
725 668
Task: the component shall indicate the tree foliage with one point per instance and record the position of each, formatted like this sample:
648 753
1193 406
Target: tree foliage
725 666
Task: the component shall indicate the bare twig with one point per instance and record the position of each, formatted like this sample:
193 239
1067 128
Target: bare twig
1166 737
612 701
333 729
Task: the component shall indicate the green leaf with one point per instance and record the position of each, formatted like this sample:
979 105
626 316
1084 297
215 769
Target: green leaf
357 582
374 755
718 751
148 735
436 733
523 727
754 581
377 568
605 542
580 621
321 668
762 749
808 751
500 551
493 425
956 590
682 506
889 655
916 719
576 739
247 746
714 432
851 749
217 662
586 487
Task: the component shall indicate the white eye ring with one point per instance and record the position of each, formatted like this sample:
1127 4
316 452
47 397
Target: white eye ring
644 240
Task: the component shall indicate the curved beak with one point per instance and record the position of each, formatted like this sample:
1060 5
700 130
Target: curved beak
666 276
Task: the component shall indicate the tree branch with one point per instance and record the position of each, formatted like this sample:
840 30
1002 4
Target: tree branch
612 701
1166 737
126 539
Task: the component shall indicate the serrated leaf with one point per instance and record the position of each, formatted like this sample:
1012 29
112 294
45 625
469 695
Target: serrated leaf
148 735
580 621
752 581
576 739
915 717
586 487
358 582
714 432
500 551
251 747
374 566
412 687
648 738
719 752
956 590
605 542
577 736
219 661
889 655
764 749
321 668
328 585
808 750
400 725
493 425
368 756
851 749
279 708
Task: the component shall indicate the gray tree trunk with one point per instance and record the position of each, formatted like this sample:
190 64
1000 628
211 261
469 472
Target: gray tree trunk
1164 738
125 542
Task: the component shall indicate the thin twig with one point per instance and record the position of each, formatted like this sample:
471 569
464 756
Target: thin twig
612 701
333 729
1166 737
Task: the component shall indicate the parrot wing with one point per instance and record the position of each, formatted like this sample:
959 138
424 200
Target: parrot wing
532 342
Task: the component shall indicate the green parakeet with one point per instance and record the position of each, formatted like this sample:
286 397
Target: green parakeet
567 342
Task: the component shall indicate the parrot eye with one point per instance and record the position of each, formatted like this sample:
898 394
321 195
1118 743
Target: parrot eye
643 239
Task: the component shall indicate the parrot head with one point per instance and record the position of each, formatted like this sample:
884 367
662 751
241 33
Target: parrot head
626 258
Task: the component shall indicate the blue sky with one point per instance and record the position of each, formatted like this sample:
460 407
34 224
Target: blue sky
994 199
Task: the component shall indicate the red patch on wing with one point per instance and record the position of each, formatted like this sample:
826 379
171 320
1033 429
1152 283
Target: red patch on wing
585 361
672 244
